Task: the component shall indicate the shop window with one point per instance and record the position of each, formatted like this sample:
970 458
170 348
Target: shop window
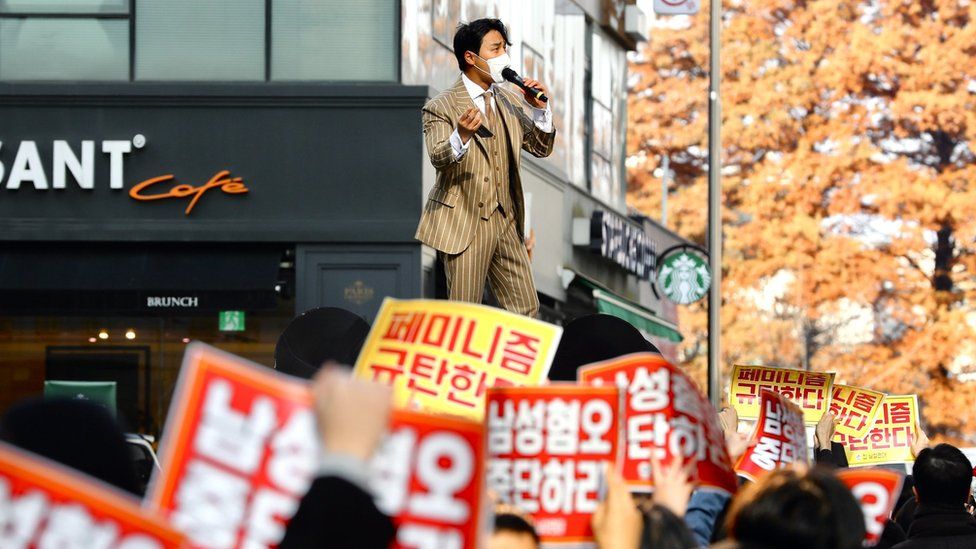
65 6
193 40
607 119
60 40
334 40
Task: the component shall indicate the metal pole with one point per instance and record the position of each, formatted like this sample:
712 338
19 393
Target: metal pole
665 182
715 206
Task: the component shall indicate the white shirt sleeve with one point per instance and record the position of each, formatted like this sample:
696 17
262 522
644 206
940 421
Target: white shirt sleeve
543 118
457 146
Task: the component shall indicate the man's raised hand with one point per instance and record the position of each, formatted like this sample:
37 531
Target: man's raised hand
469 123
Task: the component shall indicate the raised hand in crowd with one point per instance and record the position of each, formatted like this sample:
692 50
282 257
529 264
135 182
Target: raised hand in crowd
338 511
617 524
673 484
736 442
920 440
825 430
352 414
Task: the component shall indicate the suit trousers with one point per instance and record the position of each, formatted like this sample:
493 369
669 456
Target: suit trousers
497 254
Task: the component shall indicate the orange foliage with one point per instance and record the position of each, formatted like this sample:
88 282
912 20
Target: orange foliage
846 149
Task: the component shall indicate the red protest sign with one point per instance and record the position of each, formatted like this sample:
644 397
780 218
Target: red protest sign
45 504
238 453
427 475
877 491
780 437
546 451
665 415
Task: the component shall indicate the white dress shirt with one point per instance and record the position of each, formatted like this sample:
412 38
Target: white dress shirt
542 117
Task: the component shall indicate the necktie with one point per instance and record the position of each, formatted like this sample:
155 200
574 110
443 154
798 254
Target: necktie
489 112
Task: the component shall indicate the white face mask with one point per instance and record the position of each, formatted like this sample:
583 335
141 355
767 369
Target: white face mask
495 65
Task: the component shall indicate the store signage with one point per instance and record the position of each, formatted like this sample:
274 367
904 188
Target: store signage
684 277
28 170
222 180
358 292
186 302
231 321
620 241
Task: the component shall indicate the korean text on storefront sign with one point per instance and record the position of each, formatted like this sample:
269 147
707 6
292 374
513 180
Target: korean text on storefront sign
45 504
428 475
547 447
240 450
810 391
441 356
665 416
780 438
890 437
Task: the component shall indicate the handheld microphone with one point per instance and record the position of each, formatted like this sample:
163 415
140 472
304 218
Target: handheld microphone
514 78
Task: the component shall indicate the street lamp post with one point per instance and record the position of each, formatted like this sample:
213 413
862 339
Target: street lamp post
714 205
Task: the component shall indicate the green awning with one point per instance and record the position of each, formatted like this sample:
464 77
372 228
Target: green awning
610 303
633 313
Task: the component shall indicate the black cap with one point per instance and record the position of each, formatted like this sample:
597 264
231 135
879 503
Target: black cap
595 338
318 336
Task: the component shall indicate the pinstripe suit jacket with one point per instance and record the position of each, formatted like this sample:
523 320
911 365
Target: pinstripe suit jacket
464 192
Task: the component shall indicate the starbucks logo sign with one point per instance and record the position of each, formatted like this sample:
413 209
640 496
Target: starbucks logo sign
684 277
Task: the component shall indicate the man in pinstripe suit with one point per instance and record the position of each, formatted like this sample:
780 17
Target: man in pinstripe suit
474 216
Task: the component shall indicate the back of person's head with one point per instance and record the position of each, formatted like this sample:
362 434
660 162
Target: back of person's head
317 336
513 532
77 433
595 338
942 475
665 530
801 511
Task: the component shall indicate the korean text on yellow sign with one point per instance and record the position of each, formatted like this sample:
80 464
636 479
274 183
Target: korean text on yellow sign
855 408
890 438
441 356
808 390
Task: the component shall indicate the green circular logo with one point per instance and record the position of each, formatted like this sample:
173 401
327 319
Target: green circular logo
684 277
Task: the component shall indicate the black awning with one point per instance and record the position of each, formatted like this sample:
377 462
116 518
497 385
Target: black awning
149 278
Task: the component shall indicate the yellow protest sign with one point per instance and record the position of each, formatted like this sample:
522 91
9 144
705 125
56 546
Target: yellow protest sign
890 437
808 390
855 408
441 356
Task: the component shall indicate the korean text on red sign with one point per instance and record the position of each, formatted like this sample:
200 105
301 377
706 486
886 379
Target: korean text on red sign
441 356
239 451
428 475
890 437
780 438
811 391
547 447
44 504
877 491
665 416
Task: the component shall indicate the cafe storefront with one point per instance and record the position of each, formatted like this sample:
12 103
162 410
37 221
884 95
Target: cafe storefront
135 219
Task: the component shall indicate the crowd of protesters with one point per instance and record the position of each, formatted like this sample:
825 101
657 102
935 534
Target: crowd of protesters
798 507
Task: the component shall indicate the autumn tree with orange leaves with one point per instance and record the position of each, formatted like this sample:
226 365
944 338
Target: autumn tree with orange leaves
849 187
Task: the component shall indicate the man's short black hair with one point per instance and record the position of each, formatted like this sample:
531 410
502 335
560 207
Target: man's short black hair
942 475
510 522
469 36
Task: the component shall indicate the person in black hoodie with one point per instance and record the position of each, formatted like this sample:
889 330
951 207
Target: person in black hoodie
942 478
